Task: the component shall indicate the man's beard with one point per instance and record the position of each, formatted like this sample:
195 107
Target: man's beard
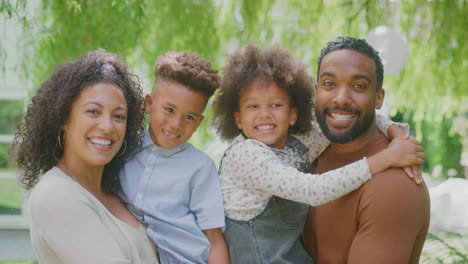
362 124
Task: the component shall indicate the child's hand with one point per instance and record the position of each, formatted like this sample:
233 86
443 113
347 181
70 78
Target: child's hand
401 152
407 153
404 151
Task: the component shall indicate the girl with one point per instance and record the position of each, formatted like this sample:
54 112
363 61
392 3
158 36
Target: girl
266 96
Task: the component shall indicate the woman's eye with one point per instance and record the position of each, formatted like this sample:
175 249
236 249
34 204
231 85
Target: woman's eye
92 111
121 117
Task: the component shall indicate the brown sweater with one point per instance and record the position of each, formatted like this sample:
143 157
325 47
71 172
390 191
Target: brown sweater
384 221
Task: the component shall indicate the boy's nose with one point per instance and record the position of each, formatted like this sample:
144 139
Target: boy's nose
175 123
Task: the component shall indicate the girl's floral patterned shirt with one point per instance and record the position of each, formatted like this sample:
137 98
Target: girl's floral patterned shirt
251 174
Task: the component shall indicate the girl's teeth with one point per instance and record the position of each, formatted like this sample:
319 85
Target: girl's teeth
264 127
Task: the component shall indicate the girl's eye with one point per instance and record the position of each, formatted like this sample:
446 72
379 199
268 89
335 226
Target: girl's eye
168 109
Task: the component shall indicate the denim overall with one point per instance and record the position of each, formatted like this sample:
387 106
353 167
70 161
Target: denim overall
272 236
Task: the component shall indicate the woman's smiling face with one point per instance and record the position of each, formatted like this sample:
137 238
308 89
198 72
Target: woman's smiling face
95 129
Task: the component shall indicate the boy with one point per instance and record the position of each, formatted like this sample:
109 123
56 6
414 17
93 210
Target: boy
169 184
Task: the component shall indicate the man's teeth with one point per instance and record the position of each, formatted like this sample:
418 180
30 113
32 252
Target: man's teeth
103 142
341 117
266 127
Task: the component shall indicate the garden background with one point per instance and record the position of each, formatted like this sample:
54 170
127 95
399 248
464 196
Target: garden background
430 93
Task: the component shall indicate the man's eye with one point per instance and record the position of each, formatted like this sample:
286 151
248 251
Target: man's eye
327 83
359 86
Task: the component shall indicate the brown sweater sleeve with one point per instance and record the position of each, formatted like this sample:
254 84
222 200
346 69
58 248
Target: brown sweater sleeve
393 220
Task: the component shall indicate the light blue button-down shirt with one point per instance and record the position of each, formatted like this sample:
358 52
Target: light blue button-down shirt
177 193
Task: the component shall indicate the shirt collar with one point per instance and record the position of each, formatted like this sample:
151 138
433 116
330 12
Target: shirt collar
148 142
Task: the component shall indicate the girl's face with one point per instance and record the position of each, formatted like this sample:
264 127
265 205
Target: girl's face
95 129
265 113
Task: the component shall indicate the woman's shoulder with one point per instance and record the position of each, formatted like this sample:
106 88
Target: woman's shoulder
54 191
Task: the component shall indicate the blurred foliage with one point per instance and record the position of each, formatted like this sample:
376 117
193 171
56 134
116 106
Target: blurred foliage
139 31
445 248
442 145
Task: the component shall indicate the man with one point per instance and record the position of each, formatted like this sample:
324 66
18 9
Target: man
386 220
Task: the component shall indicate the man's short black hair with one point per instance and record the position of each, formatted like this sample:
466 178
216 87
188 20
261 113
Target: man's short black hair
359 45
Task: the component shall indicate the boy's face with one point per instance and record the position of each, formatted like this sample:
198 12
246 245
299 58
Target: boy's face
175 113
265 113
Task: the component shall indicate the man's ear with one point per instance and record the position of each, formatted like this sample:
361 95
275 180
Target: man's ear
379 98
148 102
237 119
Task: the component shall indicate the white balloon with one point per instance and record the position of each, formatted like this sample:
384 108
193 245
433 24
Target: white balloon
392 47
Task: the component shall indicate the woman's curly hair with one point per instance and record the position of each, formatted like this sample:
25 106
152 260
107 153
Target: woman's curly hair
188 69
36 141
273 63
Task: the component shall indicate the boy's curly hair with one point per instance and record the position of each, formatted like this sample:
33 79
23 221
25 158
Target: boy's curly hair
36 141
188 69
273 63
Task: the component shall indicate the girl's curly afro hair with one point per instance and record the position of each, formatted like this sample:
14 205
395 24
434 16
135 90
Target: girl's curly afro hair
273 63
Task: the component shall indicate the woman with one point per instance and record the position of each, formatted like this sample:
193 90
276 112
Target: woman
82 123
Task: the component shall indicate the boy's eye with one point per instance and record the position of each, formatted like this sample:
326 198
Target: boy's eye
189 117
168 109
276 105
251 106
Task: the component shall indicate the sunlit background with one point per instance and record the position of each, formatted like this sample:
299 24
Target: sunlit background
427 88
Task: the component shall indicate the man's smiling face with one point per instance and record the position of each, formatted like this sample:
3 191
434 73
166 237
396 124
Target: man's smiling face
345 95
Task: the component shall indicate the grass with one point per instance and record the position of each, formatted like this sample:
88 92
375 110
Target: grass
10 196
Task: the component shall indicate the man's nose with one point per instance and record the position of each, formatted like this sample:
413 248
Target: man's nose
343 96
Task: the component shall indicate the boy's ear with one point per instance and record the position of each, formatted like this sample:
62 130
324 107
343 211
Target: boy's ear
237 119
148 101
379 98
293 113
200 120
